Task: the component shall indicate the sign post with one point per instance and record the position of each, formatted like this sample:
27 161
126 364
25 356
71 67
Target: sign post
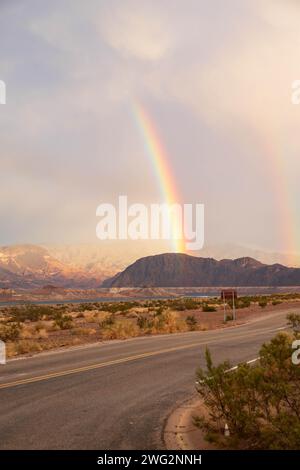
224 304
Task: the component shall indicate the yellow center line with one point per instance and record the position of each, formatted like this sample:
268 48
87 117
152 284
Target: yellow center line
118 361
96 366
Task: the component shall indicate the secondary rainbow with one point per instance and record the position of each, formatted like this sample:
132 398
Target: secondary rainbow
160 162
273 150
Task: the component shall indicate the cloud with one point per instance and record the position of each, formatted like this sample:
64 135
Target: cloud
136 29
246 82
209 74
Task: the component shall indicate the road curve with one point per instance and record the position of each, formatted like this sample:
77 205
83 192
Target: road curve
114 395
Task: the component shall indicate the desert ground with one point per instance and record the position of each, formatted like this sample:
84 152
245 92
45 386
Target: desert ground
30 328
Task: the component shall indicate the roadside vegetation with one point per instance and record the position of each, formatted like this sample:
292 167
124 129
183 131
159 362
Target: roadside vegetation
32 328
260 403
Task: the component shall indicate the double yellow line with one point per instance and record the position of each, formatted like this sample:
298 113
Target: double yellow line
127 359
96 366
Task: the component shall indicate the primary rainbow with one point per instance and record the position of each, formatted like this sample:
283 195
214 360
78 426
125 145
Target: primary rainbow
159 159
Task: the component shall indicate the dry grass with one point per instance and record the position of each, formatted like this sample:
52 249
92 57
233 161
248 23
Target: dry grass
23 347
80 331
37 331
90 325
121 329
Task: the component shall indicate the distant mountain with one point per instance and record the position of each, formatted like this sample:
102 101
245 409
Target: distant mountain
105 258
231 251
87 266
27 266
180 270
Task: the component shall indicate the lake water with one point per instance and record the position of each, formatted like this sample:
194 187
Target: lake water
101 299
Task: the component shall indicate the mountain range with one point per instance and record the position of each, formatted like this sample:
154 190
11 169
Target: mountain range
30 266
92 266
181 270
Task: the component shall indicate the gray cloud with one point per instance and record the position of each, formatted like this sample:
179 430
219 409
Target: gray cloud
214 75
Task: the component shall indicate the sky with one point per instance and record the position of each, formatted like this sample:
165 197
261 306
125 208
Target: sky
214 76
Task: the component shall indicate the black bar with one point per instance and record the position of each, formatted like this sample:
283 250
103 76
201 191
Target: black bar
136 459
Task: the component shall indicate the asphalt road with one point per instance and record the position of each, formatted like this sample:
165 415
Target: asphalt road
114 395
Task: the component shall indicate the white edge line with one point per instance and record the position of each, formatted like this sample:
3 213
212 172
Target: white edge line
233 368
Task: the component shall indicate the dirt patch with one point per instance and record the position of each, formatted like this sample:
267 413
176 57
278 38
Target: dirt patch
180 433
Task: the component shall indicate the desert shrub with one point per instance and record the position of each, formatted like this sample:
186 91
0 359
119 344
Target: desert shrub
191 322
63 322
142 322
85 307
260 403
191 304
32 313
294 321
108 321
27 346
178 306
42 334
120 330
159 311
10 331
119 307
90 316
184 304
263 303
80 315
276 302
166 322
243 302
228 317
38 331
208 308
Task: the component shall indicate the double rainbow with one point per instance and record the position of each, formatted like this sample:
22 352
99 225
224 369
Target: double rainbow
272 150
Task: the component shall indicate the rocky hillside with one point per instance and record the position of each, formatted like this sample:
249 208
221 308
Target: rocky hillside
28 266
179 270
85 267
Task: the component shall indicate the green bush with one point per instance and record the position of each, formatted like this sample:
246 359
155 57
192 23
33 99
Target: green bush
33 313
243 302
294 321
260 403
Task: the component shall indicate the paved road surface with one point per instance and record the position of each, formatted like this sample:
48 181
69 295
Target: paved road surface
113 395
